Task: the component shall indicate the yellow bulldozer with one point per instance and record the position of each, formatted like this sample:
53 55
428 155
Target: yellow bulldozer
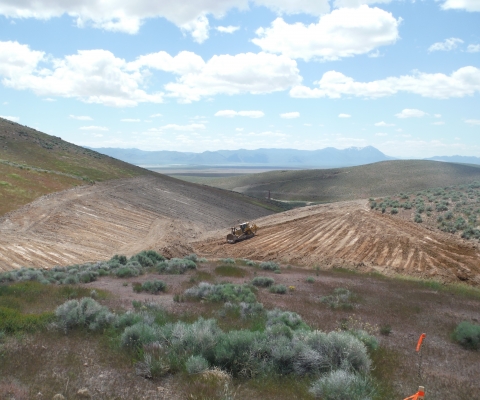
241 232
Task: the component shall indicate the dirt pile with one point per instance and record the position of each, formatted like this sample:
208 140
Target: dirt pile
349 234
120 216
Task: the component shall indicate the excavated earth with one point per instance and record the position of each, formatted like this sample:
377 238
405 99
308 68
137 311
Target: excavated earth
177 218
121 216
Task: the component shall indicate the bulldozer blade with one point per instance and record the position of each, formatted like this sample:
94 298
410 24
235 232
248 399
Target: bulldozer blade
231 238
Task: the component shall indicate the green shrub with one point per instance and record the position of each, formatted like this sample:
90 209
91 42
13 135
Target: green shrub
153 287
386 329
196 364
122 260
394 211
263 281
192 257
138 335
343 385
269 266
310 279
251 263
222 292
84 313
341 298
147 258
228 260
278 289
468 335
175 266
418 219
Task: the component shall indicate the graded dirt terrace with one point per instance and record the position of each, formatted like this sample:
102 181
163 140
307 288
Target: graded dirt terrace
120 216
350 234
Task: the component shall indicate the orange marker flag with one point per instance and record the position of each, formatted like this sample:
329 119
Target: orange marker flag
420 340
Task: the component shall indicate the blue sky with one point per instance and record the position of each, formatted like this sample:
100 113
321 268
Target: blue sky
196 75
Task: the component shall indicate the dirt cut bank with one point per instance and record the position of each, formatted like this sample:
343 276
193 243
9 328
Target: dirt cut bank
120 216
349 234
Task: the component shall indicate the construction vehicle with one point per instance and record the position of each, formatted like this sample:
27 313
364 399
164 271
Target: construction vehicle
242 232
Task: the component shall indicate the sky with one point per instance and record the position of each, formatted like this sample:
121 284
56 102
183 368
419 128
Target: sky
197 75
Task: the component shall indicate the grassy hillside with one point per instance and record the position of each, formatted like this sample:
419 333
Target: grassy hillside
33 163
328 185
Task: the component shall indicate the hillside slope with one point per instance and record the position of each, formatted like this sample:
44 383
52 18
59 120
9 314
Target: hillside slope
33 163
339 184
95 222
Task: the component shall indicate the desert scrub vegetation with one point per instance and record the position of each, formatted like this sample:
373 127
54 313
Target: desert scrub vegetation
223 292
269 266
467 334
263 281
341 298
278 289
153 287
454 209
119 266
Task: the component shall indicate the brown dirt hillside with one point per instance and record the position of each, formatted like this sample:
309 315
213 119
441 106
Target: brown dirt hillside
339 184
33 164
350 234
125 216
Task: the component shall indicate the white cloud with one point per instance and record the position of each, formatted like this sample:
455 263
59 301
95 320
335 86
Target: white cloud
356 3
307 124
128 16
81 117
227 29
468 5
97 76
13 119
381 134
382 123
472 121
473 48
156 115
437 115
411 113
290 115
438 123
130 120
446 45
241 73
232 113
176 127
93 128
344 116
462 82
342 33
50 100
239 129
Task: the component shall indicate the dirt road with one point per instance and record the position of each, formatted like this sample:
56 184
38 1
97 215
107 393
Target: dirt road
120 216
349 234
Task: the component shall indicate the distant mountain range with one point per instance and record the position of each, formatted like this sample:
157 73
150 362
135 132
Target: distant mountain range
457 159
324 158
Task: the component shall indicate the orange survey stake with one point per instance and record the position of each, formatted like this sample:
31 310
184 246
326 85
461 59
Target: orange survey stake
420 340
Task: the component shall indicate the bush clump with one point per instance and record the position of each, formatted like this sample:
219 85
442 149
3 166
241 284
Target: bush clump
196 365
85 312
343 385
153 287
269 266
175 266
263 281
224 292
467 335
310 279
278 289
340 299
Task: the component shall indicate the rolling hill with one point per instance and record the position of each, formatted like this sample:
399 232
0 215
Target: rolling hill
339 184
33 163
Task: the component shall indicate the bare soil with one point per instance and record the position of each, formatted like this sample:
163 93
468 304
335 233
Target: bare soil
176 218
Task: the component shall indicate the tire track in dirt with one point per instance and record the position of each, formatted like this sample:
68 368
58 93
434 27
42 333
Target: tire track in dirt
123 216
348 234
